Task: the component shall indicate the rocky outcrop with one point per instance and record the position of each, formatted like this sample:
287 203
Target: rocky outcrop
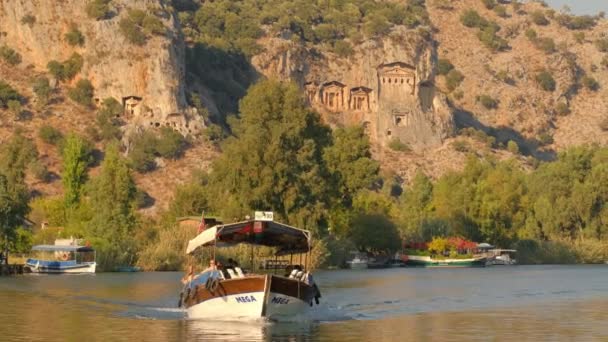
386 85
148 80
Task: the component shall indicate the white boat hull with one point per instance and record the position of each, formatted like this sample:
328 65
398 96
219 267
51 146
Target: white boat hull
248 306
85 268
358 265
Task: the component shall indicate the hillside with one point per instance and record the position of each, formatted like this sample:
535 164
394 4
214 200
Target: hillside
385 65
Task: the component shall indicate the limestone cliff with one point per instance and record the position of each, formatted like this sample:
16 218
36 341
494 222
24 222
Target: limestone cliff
387 85
147 79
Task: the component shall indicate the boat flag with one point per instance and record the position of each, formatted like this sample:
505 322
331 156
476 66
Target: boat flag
201 226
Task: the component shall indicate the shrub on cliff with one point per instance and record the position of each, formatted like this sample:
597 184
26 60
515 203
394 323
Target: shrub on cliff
397 145
490 4
42 88
50 135
82 93
68 69
74 37
590 83
545 80
171 144
538 17
98 9
7 93
488 101
470 18
9 55
139 25
444 66
453 79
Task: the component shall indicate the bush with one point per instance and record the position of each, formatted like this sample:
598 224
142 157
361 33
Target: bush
171 144
15 107
40 171
501 11
545 44
488 36
531 34
538 17
453 79
142 152
107 120
470 18
602 44
7 93
343 48
461 146
28 20
490 4
41 87
513 147
545 80
74 37
444 66
545 138
50 135
488 102
562 109
572 22
590 83
82 93
98 9
396 145
66 70
9 55
138 25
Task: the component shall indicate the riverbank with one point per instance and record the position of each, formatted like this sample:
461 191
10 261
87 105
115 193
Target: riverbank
13 269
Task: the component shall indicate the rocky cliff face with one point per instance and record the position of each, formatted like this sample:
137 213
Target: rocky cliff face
148 79
386 85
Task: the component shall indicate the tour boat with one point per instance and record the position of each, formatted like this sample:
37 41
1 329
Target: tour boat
62 259
360 261
235 295
427 261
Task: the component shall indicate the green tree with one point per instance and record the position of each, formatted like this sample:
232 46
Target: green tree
7 93
74 37
76 157
275 160
113 194
98 9
13 208
414 207
375 233
42 89
82 93
108 120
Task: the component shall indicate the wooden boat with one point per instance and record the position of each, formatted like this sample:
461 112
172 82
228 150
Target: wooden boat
427 261
213 295
62 259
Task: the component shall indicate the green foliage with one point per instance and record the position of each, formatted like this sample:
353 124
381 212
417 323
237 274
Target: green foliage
490 4
113 221
9 55
531 34
545 44
531 252
453 79
444 66
489 37
513 147
74 37
438 245
7 93
538 17
15 107
461 146
501 11
82 93
15 156
107 119
562 108
98 9
138 26
13 208
572 22
171 144
488 101
602 44
142 152
76 155
470 18
374 233
343 48
50 135
68 69
235 26
590 83
41 87
545 80
396 145
28 20
545 138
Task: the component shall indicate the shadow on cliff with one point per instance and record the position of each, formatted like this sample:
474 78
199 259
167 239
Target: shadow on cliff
223 75
528 147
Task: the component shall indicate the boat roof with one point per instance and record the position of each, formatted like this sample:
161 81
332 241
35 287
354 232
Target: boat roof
56 248
288 239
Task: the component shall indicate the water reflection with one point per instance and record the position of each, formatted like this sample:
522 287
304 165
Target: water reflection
248 331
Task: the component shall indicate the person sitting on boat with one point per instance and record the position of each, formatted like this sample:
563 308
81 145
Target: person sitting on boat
189 275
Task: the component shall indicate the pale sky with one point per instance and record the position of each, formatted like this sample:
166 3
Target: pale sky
581 6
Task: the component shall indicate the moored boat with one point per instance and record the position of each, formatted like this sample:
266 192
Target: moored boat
359 262
234 295
62 259
427 261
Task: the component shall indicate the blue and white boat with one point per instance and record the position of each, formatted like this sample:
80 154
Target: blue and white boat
62 259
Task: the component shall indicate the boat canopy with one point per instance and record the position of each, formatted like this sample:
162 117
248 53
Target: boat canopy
288 239
56 248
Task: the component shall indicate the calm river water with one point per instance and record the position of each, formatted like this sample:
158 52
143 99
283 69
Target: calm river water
492 304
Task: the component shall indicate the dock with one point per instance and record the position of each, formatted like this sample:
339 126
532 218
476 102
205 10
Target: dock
14 269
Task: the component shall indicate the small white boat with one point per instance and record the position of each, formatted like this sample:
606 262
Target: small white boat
235 295
502 257
62 259
360 261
